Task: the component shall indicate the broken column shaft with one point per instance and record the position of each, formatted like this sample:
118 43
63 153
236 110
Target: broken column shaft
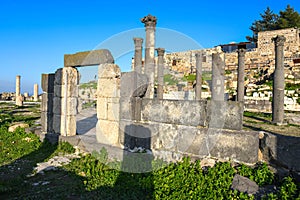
198 76
35 92
278 82
150 24
160 73
217 93
241 74
138 43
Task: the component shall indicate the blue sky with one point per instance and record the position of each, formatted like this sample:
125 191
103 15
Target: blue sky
34 35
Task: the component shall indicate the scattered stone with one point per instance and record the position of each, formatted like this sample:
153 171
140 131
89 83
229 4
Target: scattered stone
207 162
243 184
13 127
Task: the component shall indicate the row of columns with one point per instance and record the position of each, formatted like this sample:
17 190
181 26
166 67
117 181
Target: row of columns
19 98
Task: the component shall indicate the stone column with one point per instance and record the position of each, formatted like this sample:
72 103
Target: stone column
18 80
138 43
278 83
47 103
150 24
217 92
35 92
241 74
65 101
19 98
198 76
160 73
108 104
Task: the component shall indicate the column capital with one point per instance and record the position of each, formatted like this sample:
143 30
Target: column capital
241 52
160 51
279 40
149 21
138 42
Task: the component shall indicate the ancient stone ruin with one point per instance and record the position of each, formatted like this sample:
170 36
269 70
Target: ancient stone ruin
131 112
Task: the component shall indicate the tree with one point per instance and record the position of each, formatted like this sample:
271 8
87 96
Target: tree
267 22
288 18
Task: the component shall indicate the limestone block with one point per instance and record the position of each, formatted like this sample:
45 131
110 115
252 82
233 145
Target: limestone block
19 101
109 71
48 83
87 58
64 125
113 110
168 136
46 122
47 102
126 110
67 75
107 132
133 84
65 106
108 87
13 127
102 108
69 90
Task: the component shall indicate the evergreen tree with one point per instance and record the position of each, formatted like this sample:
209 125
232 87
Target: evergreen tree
288 18
267 22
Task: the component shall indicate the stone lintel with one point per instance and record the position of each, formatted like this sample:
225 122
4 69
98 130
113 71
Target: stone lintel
87 58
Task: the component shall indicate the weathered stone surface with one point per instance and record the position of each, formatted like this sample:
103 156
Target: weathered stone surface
218 65
109 71
171 111
65 106
102 108
64 125
35 92
133 84
48 82
18 85
281 150
107 132
46 122
113 110
231 145
19 100
243 184
87 58
67 75
13 127
70 90
108 88
47 102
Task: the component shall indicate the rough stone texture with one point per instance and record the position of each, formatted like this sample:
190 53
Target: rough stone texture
138 54
198 87
108 106
18 85
278 83
241 74
19 100
47 102
46 122
35 92
160 73
87 58
48 83
218 65
150 24
107 132
13 127
281 150
243 184
128 86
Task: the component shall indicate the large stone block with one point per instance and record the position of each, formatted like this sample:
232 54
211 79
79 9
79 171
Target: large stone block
109 71
48 83
66 75
108 87
113 111
65 106
64 125
234 145
66 90
46 122
107 132
102 106
87 58
133 84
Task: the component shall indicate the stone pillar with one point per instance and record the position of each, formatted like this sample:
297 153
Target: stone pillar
19 98
218 64
138 43
160 72
150 24
47 103
278 83
198 76
35 92
65 101
241 75
108 104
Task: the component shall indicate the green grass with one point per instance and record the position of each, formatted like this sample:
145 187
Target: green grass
92 84
170 80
